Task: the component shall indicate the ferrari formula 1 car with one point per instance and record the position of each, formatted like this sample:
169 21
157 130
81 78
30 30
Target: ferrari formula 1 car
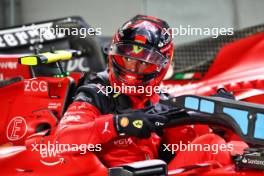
240 123
244 119
32 106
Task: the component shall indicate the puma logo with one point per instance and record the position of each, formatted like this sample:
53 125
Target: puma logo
106 130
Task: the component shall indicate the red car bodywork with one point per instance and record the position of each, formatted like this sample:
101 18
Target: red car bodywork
9 67
38 100
238 68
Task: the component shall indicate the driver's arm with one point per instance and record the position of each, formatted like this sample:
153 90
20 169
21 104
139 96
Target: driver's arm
87 120
83 123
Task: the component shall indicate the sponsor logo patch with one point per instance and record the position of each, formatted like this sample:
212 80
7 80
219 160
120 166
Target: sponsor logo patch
124 122
138 123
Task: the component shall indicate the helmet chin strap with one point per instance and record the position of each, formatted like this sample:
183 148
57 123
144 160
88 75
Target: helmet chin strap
145 77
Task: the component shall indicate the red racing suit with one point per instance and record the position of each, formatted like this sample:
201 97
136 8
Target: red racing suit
89 120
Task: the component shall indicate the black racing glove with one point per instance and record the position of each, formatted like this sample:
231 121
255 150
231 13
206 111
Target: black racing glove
139 124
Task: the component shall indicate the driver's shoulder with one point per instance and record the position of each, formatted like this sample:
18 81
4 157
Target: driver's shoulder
93 81
94 78
90 90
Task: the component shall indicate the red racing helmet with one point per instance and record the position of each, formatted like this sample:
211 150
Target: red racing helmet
140 53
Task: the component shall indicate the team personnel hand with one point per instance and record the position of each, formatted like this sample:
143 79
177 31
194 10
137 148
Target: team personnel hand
139 124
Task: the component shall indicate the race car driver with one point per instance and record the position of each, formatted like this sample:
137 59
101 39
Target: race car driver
139 57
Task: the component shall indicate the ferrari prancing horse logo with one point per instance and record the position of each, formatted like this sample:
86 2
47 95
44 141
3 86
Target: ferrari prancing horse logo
138 123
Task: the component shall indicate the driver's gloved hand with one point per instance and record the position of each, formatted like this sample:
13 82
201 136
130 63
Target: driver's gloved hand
139 124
